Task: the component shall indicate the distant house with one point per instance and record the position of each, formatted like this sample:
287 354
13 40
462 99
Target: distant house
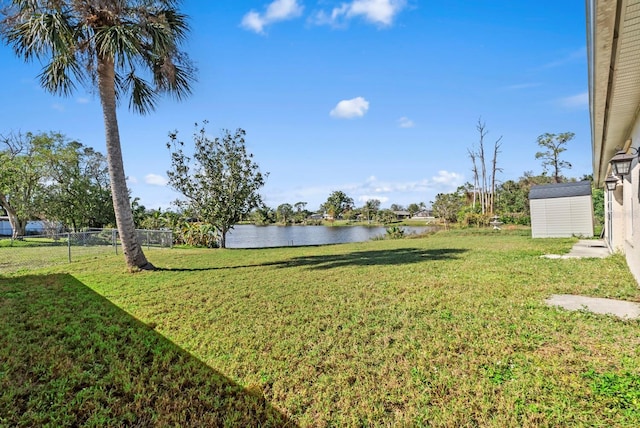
423 215
561 210
402 214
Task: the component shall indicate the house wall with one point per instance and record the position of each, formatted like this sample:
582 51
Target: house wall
562 217
631 209
614 230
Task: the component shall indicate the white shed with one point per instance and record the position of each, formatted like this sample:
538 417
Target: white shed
561 210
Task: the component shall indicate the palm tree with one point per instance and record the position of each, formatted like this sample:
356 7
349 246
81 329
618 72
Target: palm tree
124 47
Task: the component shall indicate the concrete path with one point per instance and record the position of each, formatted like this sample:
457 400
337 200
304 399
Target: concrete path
620 308
594 248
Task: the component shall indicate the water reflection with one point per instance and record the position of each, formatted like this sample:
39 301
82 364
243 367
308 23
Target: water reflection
249 236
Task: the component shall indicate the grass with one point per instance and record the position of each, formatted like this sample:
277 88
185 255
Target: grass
444 330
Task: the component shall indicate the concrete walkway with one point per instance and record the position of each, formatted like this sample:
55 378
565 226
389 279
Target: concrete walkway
592 248
597 305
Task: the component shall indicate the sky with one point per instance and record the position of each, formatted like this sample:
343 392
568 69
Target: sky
379 99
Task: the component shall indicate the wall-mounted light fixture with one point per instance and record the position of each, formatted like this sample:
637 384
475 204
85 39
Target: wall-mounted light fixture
621 162
611 182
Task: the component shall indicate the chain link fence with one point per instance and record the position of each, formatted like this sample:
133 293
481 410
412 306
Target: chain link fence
35 251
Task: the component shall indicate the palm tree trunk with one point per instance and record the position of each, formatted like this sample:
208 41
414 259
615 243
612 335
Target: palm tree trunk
133 253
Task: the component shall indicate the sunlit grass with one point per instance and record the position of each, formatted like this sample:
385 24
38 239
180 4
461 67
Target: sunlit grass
446 330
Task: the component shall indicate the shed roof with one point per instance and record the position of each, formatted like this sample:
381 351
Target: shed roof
560 190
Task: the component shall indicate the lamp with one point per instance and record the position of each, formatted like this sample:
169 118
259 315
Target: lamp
611 182
621 162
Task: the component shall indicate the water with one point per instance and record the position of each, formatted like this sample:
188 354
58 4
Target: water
249 236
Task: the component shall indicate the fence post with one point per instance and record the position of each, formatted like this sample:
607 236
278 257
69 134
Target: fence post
113 240
148 244
69 245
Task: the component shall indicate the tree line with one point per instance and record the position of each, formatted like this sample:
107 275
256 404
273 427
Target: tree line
475 204
338 206
48 177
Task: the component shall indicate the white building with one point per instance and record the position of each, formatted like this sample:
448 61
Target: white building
613 42
561 210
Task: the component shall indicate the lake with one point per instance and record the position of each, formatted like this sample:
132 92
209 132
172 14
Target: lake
250 236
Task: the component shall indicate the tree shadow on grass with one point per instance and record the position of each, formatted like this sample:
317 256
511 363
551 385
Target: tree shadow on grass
358 258
373 258
69 357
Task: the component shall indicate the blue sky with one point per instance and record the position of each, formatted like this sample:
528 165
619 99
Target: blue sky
376 98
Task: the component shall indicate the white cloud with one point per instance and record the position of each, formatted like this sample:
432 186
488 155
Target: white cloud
452 179
399 192
278 10
364 198
379 12
396 191
405 122
82 100
577 55
57 107
578 101
155 180
132 180
348 109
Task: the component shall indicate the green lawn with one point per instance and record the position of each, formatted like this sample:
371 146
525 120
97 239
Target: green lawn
446 330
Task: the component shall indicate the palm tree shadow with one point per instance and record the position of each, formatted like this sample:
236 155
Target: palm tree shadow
358 258
373 258
72 358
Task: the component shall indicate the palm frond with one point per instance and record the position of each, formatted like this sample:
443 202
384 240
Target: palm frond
58 76
119 42
174 79
42 34
140 37
143 97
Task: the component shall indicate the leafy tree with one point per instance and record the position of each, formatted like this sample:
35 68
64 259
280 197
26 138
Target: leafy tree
554 145
337 203
513 197
23 171
284 213
301 213
413 209
447 205
598 205
155 219
350 213
139 212
386 216
371 208
396 207
106 44
263 215
78 192
220 183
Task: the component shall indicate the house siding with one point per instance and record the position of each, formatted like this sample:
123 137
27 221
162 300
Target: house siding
562 217
630 223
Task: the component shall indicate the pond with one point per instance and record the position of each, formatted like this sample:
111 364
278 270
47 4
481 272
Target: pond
250 236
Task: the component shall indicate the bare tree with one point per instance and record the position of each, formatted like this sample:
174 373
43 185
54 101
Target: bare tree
484 185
